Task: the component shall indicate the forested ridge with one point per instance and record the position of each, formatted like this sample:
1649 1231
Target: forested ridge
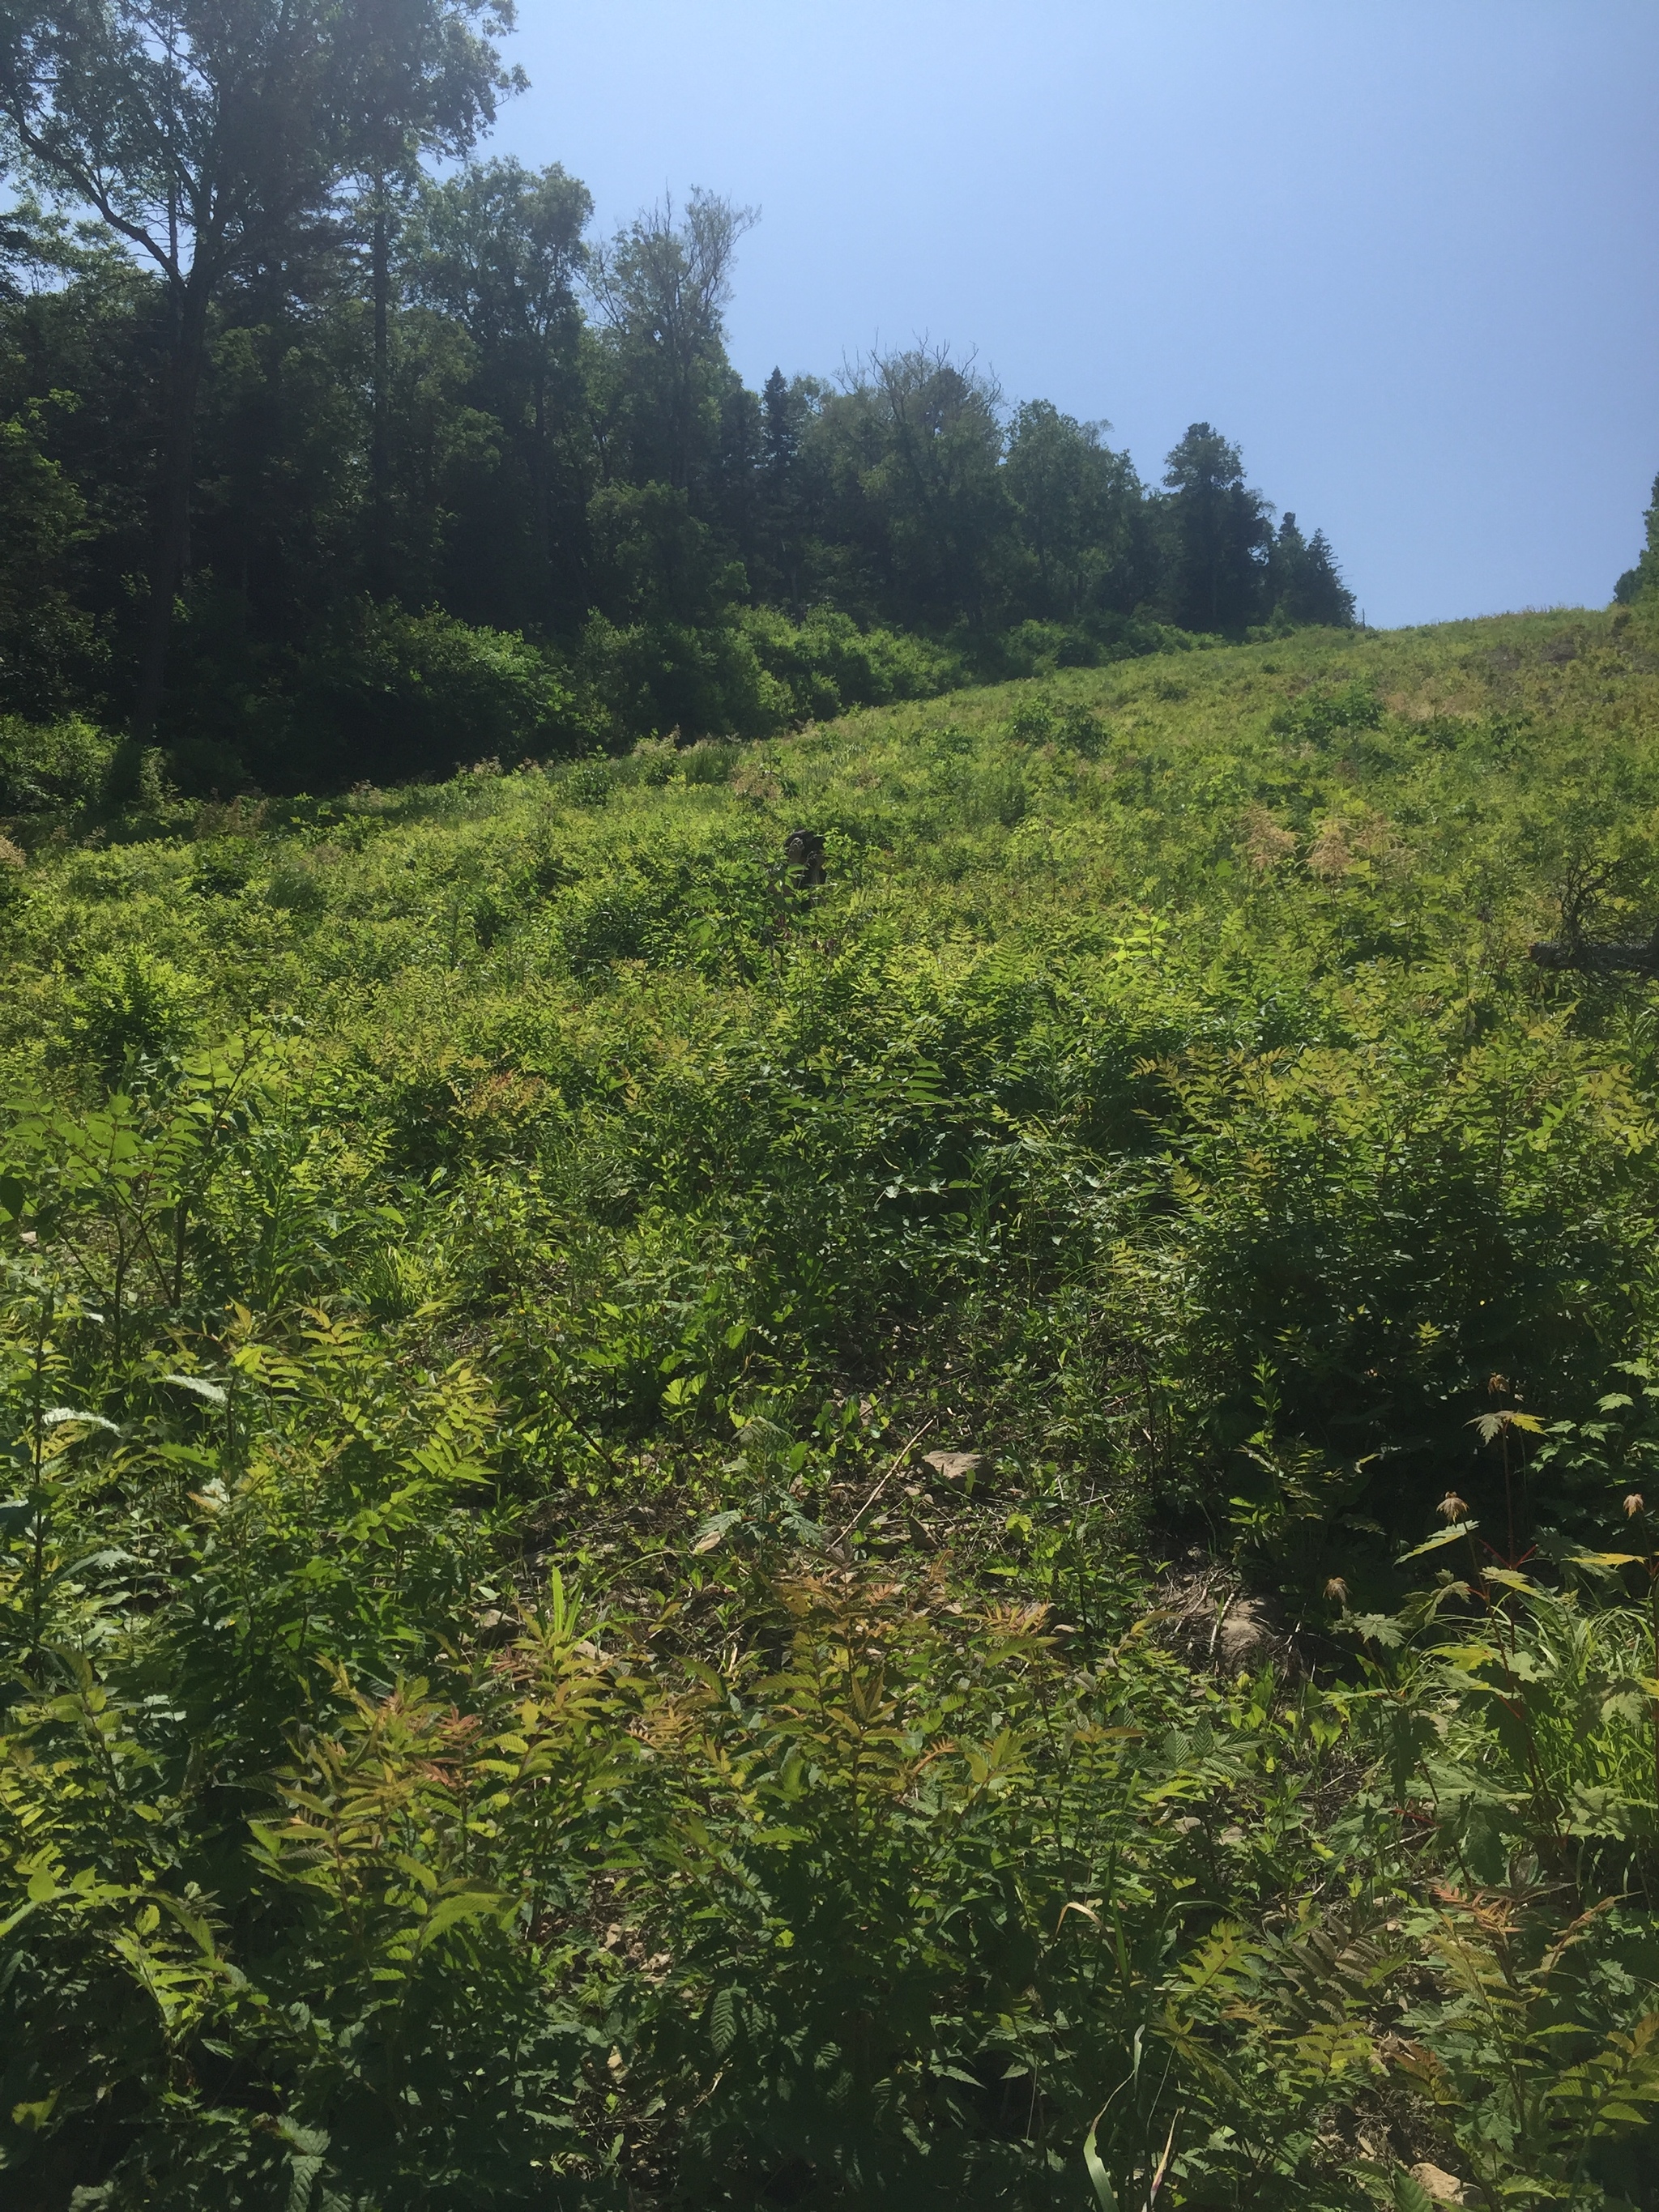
562 501
828 1287
436 474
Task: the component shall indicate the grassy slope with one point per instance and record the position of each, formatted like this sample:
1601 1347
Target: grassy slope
1303 876
1156 1100
967 832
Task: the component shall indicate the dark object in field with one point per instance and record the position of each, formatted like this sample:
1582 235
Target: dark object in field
1639 956
804 850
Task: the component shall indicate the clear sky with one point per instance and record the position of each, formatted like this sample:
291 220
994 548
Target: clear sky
1404 254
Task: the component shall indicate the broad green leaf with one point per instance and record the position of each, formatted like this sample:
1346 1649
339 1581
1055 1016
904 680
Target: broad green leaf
460 1905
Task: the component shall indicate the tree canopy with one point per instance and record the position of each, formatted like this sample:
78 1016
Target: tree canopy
268 353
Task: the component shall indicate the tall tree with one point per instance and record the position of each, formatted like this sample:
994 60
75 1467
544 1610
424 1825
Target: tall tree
500 248
662 285
1642 582
786 408
428 81
912 449
1305 584
1076 505
1219 533
207 134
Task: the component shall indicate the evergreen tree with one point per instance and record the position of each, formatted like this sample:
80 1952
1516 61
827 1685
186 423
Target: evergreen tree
1286 555
1642 582
1219 531
780 421
779 570
1305 585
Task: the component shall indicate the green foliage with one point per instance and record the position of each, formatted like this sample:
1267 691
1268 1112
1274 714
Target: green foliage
127 1006
472 486
1642 582
752 676
829 665
1218 532
1303 581
57 767
403 697
605 1441
50 646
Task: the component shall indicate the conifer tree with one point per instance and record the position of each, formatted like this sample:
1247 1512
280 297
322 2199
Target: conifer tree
1220 532
1642 582
1303 581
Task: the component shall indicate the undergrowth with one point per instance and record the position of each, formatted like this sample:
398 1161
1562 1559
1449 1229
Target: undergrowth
612 1449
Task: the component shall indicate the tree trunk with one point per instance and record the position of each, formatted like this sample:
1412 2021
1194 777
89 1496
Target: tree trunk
379 455
543 492
176 474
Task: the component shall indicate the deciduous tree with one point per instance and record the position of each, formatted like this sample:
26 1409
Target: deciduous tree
209 135
500 249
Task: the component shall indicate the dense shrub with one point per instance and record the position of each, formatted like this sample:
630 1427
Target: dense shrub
126 1006
400 697
51 766
828 664
648 678
1038 649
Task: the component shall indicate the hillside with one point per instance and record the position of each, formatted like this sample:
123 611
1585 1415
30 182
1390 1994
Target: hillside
684 1535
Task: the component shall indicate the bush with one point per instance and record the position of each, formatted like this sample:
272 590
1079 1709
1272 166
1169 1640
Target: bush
647 678
752 676
707 761
129 1005
14 865
1038 648
49 646
400 697
51 766
828 664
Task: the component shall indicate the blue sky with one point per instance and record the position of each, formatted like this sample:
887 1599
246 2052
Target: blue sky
1405 255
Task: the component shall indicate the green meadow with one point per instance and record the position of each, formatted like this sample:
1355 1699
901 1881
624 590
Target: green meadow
972 1534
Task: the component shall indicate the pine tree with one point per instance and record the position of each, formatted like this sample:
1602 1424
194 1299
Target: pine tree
1220 535
1642 582
1303 581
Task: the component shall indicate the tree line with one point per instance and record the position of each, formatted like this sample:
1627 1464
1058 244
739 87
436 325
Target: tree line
328 447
